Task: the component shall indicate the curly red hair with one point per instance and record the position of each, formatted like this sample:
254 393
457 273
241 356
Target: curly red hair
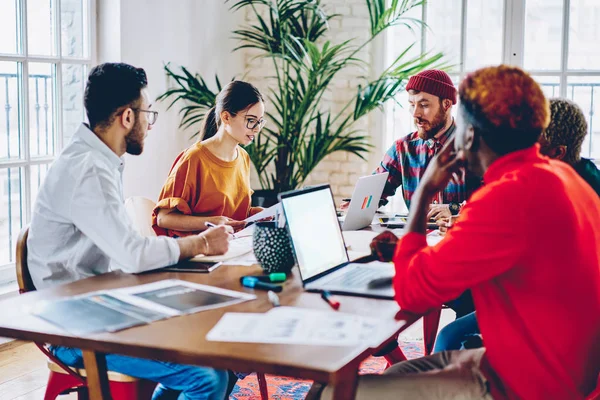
507 96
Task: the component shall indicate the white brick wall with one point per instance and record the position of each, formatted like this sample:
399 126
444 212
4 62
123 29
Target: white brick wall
339 169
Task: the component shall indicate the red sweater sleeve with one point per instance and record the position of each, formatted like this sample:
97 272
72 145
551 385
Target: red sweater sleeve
487 240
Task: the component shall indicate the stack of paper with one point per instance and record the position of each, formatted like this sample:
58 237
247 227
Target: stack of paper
292 325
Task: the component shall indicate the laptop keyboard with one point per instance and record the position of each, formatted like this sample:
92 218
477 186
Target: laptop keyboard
355 278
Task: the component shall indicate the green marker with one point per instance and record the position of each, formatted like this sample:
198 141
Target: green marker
272 277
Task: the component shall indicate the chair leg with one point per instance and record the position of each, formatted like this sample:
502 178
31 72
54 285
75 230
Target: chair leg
58 383
82 393
393 357
262 385
139 390
431 322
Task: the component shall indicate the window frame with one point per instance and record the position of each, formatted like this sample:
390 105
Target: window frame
513 49
7 271
513 46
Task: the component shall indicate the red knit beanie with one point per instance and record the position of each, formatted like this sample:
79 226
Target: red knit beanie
435 82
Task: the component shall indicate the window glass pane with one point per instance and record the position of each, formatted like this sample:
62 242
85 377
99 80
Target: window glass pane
41 28
10 107
585 91
8 26
543 34
482 50
400 37
584 35
11 211
38 174
41 108
443 34
73 80
74 28
550 85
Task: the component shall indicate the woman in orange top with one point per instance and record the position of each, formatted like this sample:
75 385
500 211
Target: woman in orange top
210 181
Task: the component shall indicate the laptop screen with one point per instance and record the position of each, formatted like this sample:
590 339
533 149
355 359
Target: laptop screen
315 231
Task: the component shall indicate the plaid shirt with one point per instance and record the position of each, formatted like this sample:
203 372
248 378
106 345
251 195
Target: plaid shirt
406 162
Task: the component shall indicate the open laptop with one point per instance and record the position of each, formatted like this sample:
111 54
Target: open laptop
364 202
320 250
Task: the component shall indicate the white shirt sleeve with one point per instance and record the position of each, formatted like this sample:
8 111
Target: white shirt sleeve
98 211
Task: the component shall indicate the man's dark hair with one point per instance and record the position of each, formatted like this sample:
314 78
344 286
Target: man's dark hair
568 127
110 87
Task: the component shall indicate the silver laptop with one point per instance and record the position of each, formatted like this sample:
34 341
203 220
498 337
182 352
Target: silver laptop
320 250
364 202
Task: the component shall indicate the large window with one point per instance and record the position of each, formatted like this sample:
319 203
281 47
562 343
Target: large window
45 52
552 39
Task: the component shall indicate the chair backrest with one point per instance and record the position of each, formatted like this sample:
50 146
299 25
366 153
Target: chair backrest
140 210
23 276
26 285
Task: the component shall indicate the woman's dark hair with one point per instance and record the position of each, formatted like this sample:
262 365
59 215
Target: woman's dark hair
111 86
236 96
506 107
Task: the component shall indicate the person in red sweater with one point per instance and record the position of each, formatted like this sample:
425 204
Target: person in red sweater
527 244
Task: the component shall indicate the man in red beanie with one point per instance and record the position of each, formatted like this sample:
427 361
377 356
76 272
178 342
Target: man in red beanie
431 95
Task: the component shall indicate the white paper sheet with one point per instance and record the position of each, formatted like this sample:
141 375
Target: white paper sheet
292 325
359 241
237 247
247 259
266 213
434 238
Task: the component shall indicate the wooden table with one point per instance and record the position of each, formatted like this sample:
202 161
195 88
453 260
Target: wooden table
183 339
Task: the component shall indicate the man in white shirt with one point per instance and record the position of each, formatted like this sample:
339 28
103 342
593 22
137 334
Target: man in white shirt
80 227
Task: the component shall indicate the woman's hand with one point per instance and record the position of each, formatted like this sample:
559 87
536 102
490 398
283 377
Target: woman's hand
236 225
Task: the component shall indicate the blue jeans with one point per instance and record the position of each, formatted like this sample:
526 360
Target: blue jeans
453 335
181 382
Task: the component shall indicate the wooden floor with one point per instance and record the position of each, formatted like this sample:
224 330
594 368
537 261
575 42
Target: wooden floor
23 372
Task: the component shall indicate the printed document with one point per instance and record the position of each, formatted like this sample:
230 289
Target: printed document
292 325
114 310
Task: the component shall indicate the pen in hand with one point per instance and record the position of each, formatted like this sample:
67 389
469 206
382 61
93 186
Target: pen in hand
211 225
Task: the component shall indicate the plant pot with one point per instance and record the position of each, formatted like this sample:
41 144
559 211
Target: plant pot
264 198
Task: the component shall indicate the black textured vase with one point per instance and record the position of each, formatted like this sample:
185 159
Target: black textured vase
272 248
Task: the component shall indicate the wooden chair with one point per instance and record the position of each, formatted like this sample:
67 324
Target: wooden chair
62 378
140 210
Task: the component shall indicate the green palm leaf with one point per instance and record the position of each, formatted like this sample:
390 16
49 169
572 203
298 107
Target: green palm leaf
301 130
194 93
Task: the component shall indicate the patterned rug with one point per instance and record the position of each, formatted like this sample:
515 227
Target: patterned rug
284 388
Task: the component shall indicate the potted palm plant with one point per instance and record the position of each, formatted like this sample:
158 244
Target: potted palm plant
300 133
